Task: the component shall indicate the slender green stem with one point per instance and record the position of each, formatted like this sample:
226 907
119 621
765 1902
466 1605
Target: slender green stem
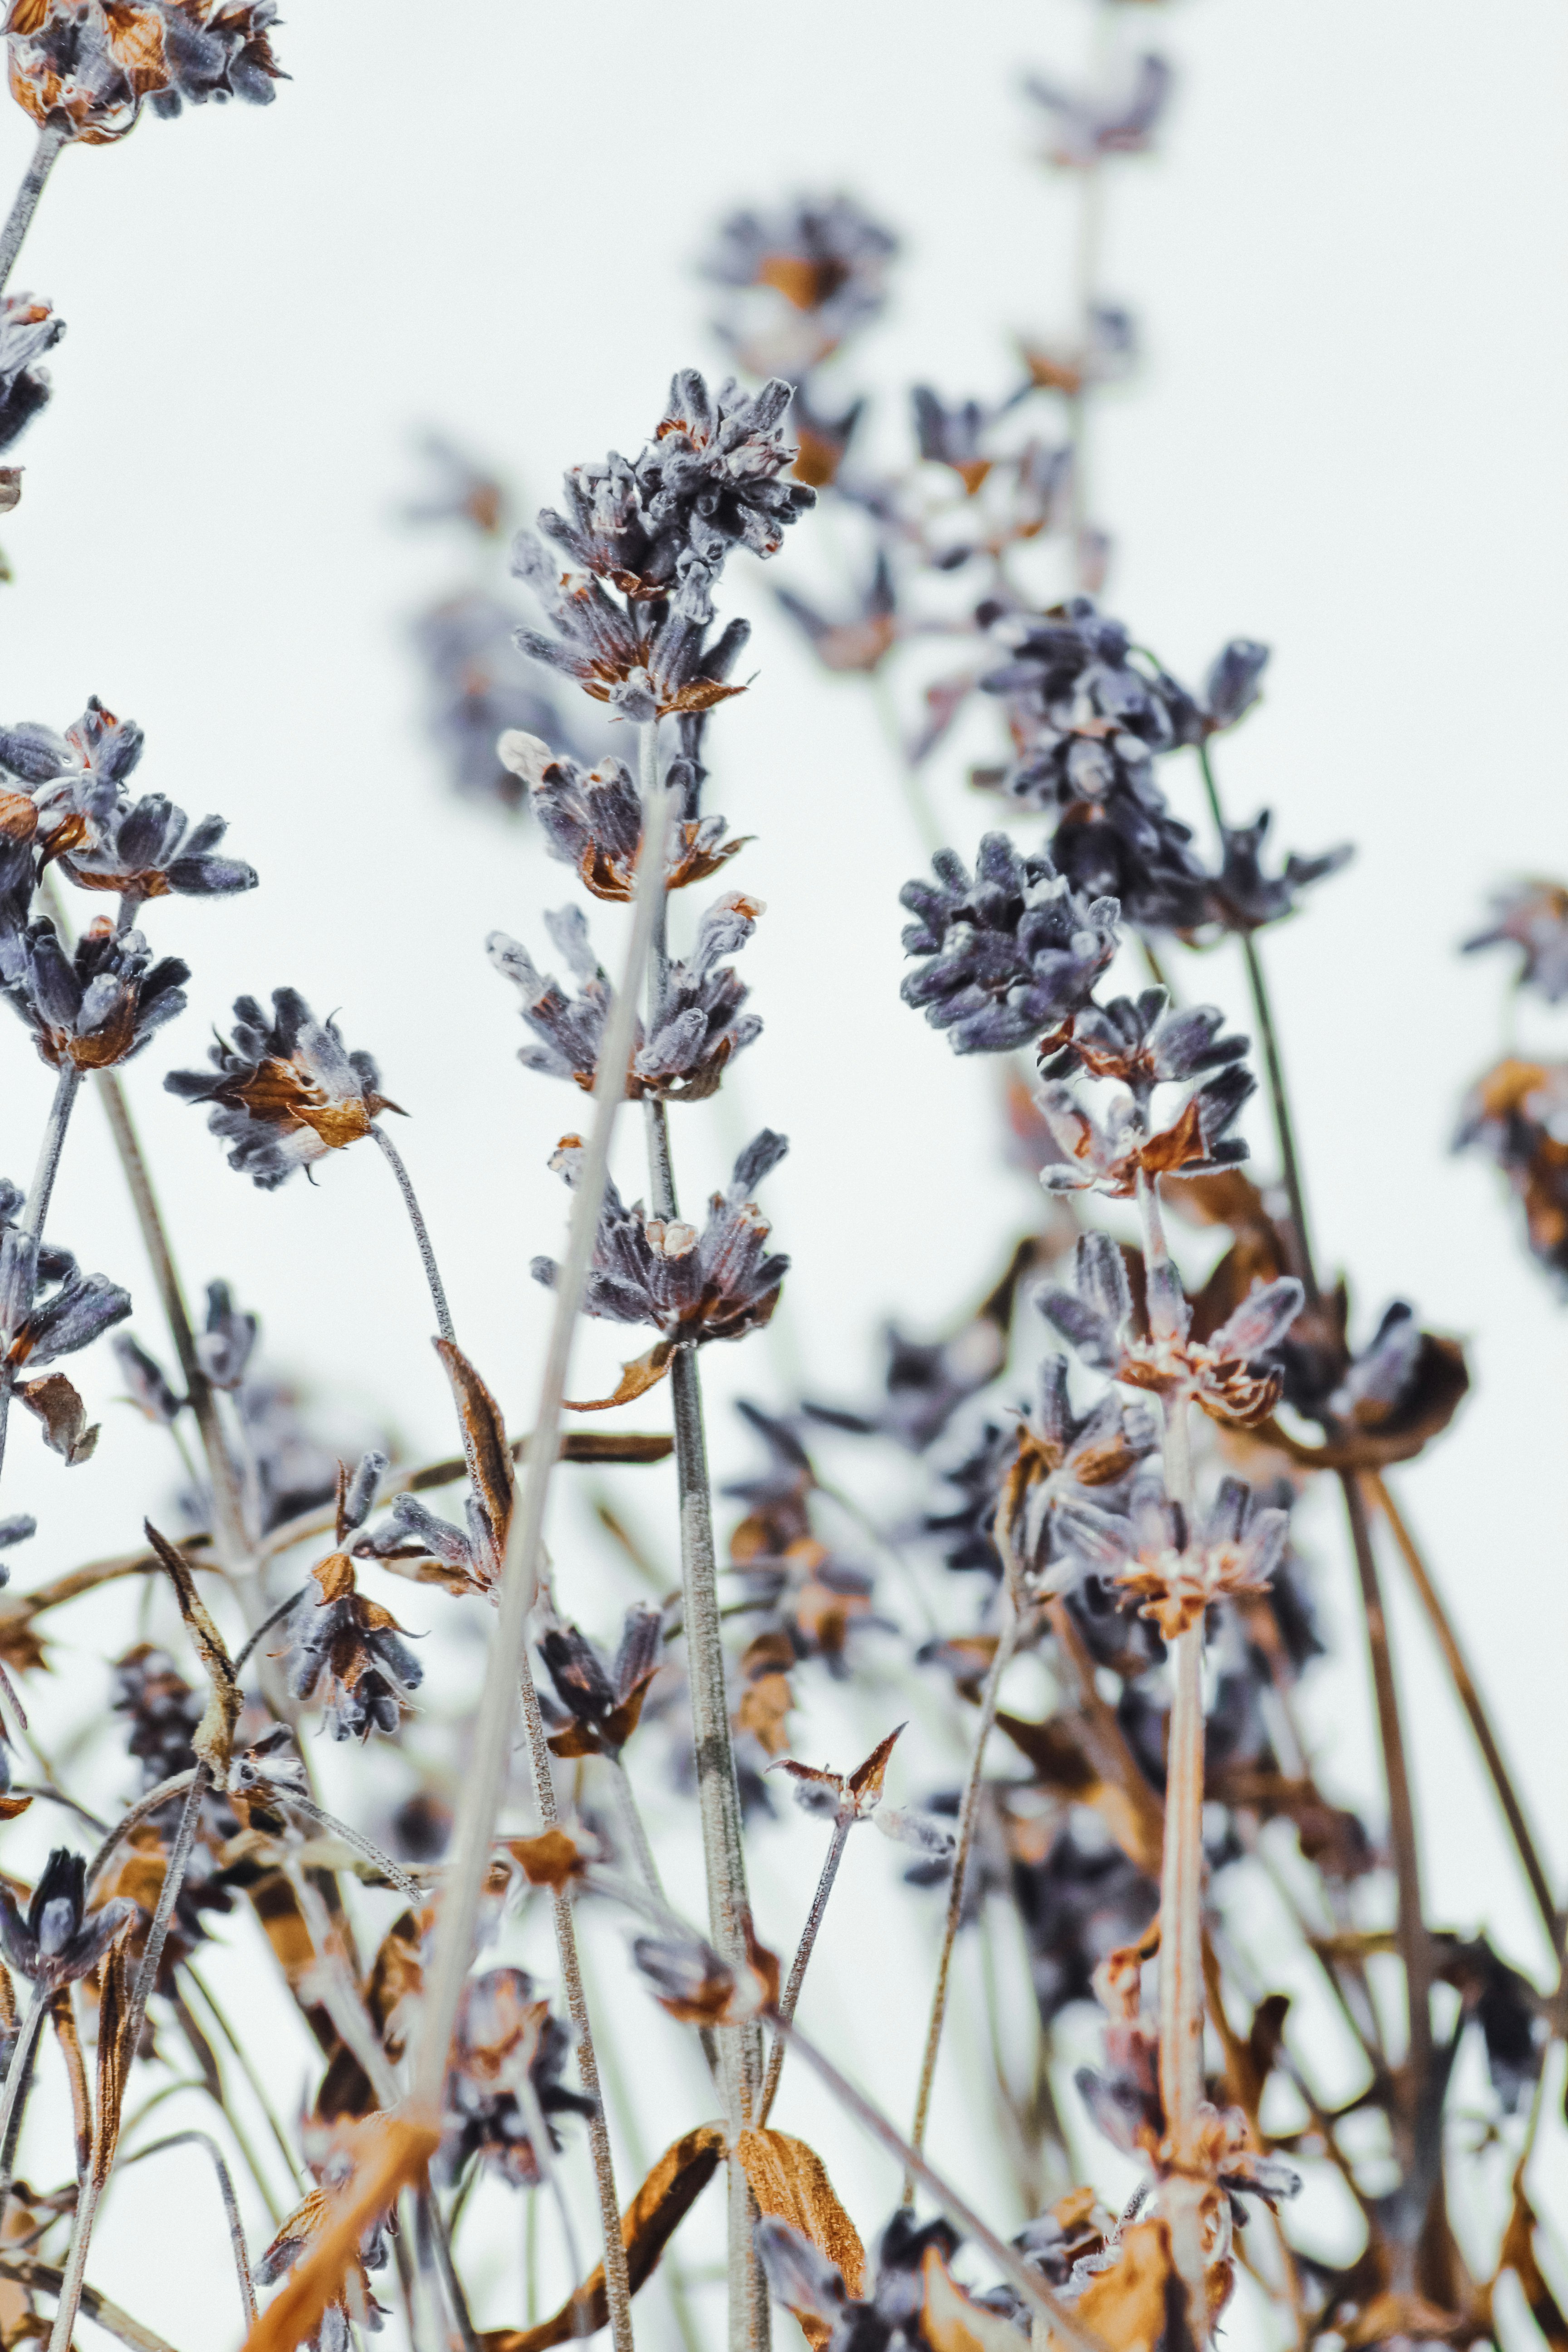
50 140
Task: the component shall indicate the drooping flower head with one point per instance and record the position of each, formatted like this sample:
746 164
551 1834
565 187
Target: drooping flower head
89 66
284 1093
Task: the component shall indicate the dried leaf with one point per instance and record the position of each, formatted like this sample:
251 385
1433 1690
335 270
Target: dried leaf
790 2182
397 2153
612 1445
867 1778
953 2323
649 2222
62 2017
644 1372
56 1403
548 1860
11 1806
113 2060
1139 2304
213 1738
485 1445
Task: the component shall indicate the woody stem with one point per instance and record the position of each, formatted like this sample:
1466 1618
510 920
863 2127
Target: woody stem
791 1993
14 2100
718 1790
1182 1859
26 203
617 2284
421 1231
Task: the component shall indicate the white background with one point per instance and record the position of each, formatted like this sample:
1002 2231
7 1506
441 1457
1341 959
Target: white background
1345 440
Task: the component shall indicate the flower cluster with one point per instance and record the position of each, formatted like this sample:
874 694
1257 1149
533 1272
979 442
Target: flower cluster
89 66
700 1025
285 1092
1012 952
690 1286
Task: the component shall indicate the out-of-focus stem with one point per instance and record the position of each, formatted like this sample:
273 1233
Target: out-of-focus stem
25 202
486 1777
421 1231
791 1993
718 1790
1414 1948
66 1087
633 1824
1471 1701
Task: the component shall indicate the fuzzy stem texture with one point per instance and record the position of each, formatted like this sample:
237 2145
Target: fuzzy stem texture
421 1231
791 1993
25 202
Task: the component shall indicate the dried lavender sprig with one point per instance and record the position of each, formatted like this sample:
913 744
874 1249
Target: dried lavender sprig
718 1788
458 1911
24 203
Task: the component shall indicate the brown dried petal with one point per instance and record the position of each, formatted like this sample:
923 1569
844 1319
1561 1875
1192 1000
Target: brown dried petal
644 1372
648 2223
790 2183
56 1403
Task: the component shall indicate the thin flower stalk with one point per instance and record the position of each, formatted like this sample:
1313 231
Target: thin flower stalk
618 2283
25 202
421 1231
718 1790
790 1996
45 2278
487 1780
968 1814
